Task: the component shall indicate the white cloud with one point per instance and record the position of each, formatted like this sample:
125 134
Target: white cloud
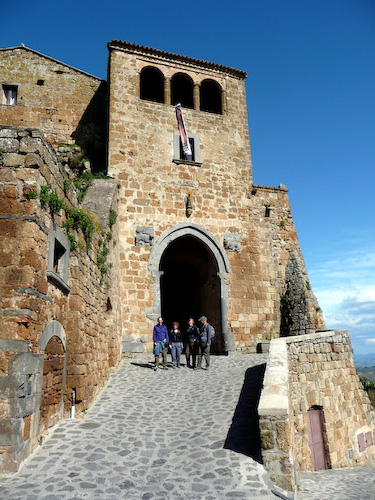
345 289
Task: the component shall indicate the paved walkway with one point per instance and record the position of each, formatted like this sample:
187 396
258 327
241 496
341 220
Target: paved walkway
176 434
355 483
157 435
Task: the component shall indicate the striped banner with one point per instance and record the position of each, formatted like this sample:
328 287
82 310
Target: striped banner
182 129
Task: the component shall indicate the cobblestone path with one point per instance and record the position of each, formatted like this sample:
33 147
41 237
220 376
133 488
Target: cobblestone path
354 483
168 434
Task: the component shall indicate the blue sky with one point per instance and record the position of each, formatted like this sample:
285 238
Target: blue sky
311 106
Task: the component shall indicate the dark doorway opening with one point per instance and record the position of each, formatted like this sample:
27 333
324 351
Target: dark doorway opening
190 286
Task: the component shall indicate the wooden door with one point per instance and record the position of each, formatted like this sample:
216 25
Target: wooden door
316 439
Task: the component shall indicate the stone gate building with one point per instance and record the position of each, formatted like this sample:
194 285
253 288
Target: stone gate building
234 255
87 265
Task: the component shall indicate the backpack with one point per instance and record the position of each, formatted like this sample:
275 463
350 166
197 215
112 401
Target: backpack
212 332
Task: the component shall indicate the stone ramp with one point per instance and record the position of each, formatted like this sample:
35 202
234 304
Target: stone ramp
350 483
156 435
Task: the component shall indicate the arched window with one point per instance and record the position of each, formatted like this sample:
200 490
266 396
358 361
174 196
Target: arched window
152 84
210 97
182 90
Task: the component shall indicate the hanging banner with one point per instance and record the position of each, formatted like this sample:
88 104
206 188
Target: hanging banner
182 129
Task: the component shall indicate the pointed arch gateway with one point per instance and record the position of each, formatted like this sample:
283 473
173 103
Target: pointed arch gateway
190 269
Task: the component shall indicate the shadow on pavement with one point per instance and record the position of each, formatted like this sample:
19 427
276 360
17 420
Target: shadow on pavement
244 435
143 365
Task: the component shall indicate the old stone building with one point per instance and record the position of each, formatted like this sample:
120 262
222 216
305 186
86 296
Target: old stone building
68 105
87 265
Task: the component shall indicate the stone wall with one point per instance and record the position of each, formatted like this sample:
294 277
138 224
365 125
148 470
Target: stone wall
67 104
274 418
314 372
59 312
322 374
252 251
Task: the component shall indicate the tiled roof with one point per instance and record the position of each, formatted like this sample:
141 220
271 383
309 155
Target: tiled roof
168 55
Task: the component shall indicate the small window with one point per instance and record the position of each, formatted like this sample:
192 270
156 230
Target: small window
58 258
178 154
9 96
152 84
182 90
58 255
210 97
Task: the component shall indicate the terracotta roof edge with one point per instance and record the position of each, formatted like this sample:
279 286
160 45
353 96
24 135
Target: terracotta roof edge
170 55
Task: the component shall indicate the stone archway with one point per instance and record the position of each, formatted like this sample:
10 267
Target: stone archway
53 343
188 250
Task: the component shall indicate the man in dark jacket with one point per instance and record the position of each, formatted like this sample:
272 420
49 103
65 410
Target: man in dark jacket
204 343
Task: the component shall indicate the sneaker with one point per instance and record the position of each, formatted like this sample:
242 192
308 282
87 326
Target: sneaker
174 366
155 368
165 368
198 368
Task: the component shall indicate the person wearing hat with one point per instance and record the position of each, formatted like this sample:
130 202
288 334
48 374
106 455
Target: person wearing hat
204 342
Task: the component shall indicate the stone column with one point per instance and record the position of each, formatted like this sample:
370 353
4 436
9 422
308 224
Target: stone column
196 96
167 90
223 102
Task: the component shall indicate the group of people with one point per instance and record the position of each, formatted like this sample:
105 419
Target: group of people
196 341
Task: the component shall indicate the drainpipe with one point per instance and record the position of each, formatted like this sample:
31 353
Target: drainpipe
73 410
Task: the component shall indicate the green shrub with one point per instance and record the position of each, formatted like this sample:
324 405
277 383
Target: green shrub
31 195
112 217
73 242
55 203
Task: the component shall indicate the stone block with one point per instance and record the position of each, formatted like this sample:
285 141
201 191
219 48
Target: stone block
33 160
133 347
283 436
13 160
26 364
10 431
30 145
144 236
7 132
16 346
267 440
9 145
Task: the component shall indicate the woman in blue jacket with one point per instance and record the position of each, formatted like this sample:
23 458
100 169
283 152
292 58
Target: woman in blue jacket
161 342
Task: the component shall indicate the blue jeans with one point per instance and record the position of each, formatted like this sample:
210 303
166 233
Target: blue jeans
176 353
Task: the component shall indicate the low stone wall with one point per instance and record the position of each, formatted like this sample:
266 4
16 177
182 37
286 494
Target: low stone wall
322 375
274 422
314 372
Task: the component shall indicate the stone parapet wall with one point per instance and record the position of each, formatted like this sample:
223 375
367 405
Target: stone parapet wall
274 419
45 315
322 374
309 372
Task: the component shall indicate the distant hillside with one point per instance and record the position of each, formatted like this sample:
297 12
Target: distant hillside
367 371
361 360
